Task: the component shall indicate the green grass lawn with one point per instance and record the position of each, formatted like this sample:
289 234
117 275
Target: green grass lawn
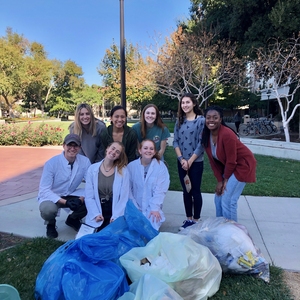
276 177
20 266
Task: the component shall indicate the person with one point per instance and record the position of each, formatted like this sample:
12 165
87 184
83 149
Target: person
189 151
149 183
237 120
232 162
61 177
118 131
152 127
107 187
89 129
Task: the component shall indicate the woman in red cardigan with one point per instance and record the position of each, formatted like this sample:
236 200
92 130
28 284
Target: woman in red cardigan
232 162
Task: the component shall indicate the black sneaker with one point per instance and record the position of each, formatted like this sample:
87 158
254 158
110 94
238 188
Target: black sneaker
51 231
186 223
74 223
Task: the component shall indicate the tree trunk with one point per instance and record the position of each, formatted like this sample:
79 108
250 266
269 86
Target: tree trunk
286 131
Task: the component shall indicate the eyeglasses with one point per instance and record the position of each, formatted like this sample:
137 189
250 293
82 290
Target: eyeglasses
75 146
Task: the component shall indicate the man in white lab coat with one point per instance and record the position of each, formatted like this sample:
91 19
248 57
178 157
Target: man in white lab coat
59 184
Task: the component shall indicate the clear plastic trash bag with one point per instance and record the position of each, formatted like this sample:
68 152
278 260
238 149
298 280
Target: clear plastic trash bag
232 245
149 287
187 267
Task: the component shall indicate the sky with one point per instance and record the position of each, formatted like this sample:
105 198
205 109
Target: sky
81 30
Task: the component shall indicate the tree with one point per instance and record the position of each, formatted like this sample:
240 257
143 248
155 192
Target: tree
139 87
277 68
196 63
249 23
12 68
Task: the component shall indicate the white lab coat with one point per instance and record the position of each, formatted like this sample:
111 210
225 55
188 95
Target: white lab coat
92 200
59 180
148 194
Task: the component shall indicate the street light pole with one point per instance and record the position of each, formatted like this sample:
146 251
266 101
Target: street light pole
122 56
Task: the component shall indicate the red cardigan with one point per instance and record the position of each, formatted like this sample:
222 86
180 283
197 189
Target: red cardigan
234 156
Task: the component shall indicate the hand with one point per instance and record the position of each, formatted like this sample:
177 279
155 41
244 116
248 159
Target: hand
219 188
99 218
155 215
74 203
184 164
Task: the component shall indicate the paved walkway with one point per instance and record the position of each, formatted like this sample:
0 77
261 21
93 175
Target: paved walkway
273 223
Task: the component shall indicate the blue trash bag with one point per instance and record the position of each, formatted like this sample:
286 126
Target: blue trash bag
48 282
138 222
125 233
85 281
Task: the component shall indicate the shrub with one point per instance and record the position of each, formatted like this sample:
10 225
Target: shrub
29 135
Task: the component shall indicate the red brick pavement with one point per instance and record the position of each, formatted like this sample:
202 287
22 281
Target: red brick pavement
21 169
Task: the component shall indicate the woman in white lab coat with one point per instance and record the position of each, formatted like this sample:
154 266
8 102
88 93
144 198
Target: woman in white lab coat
107 187
149 183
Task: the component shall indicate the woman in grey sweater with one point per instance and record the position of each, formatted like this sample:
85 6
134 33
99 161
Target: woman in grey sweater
89 129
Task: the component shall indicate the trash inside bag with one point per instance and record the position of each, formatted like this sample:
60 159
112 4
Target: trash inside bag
107 245
149 287
104 281
187 267
232 245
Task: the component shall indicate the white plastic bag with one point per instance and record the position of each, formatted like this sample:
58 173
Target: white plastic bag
231 244
189 268
149 287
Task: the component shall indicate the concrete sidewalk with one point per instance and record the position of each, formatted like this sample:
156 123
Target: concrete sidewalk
273 223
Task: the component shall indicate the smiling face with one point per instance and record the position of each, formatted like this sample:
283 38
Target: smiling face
114 151
70 151
147 149
84 117
118 119
213 120
150 115
187 105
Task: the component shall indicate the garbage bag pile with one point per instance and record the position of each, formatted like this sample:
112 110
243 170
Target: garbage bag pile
232 245
187 267
89 267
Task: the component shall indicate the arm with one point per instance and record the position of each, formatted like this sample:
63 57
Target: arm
159 187
92 201
120 193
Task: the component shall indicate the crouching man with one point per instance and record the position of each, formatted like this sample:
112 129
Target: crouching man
61 177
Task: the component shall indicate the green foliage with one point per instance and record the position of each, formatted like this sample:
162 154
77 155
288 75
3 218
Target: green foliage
29 135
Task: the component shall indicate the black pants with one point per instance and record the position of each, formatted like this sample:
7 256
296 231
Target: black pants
106 213
78 214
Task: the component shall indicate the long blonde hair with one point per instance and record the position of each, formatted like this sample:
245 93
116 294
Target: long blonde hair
92 129
122 161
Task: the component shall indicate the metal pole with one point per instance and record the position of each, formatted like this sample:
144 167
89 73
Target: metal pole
122 56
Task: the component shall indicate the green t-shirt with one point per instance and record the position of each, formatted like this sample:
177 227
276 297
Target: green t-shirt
155 133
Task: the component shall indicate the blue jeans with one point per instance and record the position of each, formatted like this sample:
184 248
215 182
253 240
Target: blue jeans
226 204
193 199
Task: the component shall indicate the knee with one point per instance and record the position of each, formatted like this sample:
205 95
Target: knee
48 210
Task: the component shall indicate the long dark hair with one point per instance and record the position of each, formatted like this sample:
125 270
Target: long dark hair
196 109
206 131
